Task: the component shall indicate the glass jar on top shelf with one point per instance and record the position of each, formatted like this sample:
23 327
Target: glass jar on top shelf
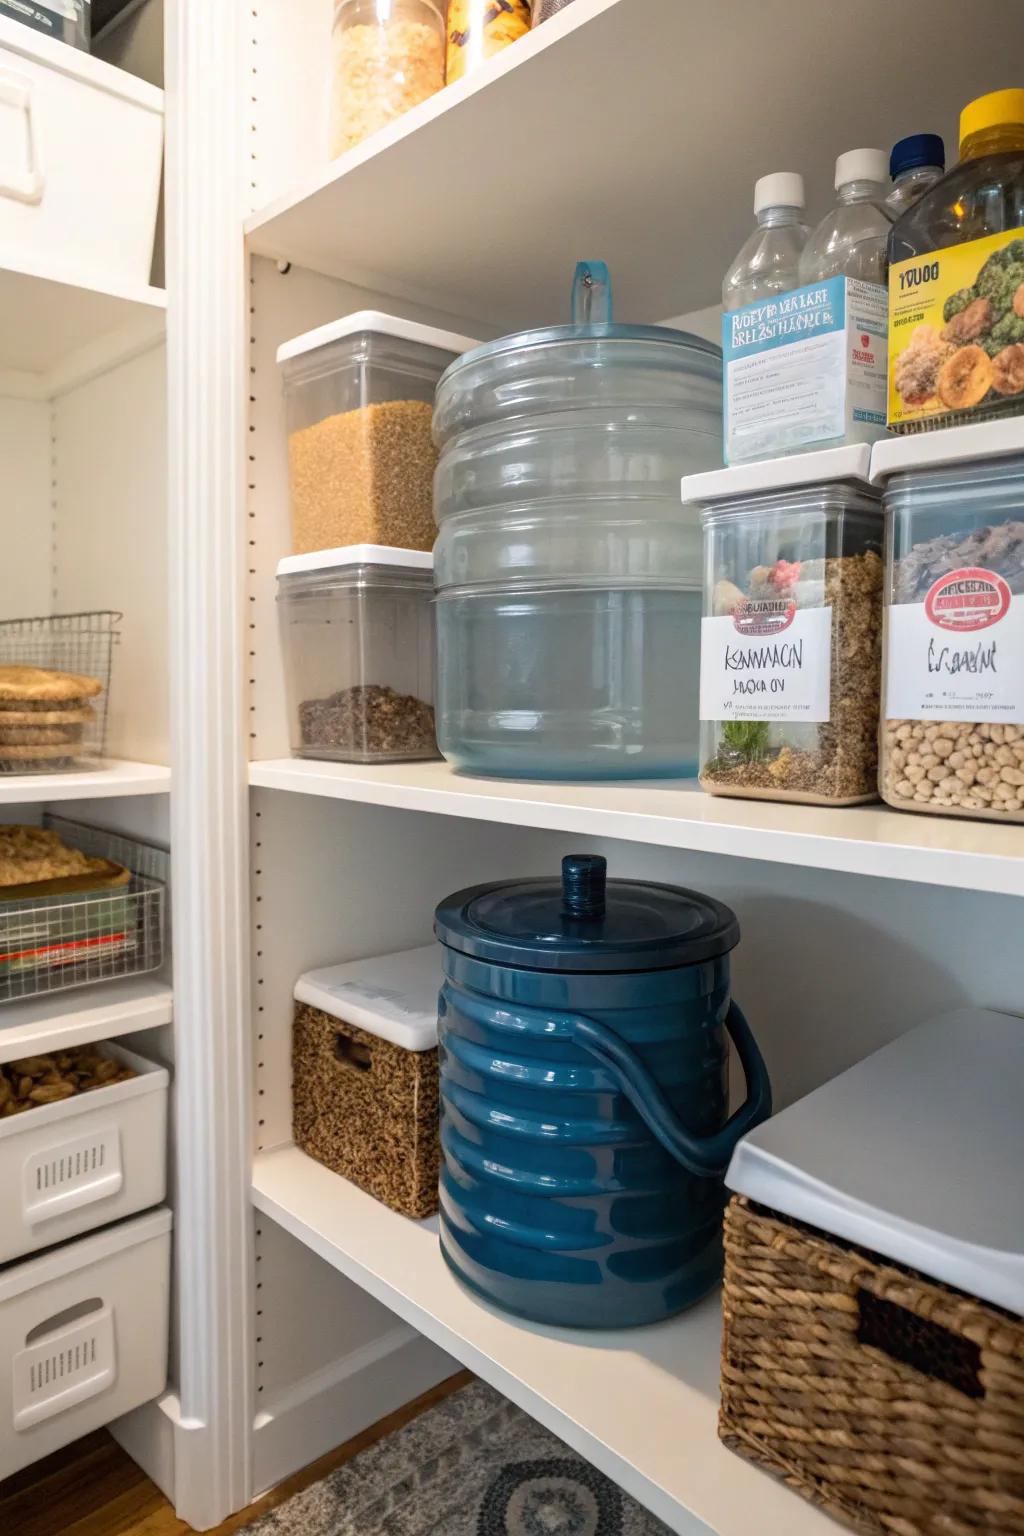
477 29
791 635
386 56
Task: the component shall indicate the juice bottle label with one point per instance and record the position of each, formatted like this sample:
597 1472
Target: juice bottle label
805 367
956 329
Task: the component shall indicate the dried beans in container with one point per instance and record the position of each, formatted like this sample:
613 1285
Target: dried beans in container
953 732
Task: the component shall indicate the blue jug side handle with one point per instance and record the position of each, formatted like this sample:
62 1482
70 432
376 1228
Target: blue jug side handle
700 1155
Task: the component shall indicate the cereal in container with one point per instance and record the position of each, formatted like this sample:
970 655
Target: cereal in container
386 56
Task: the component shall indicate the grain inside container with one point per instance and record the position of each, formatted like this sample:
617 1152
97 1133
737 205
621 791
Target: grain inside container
357 633
359 396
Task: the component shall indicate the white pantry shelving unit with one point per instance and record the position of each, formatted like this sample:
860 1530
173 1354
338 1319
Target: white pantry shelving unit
84 515
630 130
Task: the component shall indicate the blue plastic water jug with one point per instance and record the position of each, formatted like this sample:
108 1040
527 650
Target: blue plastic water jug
584 1093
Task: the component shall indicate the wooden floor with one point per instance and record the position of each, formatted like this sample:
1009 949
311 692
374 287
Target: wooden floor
94 1489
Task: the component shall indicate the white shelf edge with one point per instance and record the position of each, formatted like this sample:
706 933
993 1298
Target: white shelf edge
640 1404
134 317
82 1015
864 840
946 447
258 226
117 776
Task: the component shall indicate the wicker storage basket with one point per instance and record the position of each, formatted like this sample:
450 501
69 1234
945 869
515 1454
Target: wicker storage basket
367 1109
893 1402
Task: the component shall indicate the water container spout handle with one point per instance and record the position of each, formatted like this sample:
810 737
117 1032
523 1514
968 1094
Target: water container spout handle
592 294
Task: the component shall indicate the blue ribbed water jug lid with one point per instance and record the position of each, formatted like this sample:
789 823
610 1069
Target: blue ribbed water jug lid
585 922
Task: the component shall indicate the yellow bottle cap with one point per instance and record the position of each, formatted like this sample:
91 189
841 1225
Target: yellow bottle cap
991 111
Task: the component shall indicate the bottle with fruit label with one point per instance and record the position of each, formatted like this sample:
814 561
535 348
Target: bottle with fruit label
956 281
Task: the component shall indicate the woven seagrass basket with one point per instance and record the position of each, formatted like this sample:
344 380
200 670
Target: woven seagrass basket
891 1401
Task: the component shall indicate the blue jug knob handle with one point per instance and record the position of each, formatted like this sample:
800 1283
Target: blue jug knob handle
584 885
700 1155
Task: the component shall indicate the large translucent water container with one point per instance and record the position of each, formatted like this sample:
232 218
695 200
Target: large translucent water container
568 576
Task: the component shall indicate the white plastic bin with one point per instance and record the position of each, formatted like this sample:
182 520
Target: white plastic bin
81 146
83 1337
85 1161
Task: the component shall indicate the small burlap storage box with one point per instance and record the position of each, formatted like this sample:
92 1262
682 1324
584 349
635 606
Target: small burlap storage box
365 1078
893 1402
873 1350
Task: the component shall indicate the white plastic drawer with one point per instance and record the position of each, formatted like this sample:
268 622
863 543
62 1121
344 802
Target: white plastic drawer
69 1167
81 146
83 1336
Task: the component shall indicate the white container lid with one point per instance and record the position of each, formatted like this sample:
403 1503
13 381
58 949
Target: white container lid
780 189
381 325
915 1153
356 554
862 165
951 445
391 996
852 461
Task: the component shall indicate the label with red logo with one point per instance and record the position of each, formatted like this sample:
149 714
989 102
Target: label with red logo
967 600
763 615
767 660
959 655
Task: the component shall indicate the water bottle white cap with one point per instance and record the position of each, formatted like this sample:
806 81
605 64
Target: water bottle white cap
862 165
782 189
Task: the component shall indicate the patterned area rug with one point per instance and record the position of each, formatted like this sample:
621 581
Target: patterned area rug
472 1466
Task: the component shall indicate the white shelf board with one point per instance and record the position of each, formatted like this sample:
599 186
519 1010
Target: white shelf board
113 778
641 1404
862 840
630 130
58 325
76 1017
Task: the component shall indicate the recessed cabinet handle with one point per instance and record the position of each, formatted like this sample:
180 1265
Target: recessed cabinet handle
23 181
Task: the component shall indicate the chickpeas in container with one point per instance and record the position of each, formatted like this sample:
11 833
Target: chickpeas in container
952 738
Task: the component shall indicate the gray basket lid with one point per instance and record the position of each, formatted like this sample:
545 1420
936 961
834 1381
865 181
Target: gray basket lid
915 1153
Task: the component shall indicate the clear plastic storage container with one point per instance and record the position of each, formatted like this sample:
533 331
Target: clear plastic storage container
358 647
568 608
358 400
791 635
386 56
953 732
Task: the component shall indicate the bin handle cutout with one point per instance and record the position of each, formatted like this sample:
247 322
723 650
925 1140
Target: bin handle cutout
25 183
352 1054
62 1319
918 1342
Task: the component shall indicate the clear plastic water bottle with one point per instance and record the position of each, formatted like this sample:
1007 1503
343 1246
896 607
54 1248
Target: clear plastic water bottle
769 261
851 239
915 165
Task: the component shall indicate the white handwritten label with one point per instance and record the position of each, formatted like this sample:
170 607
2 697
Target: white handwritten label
757 666
969 667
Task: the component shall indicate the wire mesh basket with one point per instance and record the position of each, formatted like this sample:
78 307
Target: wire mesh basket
43 733
51 943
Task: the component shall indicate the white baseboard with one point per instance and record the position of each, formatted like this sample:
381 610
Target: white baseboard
347 1396
148 1435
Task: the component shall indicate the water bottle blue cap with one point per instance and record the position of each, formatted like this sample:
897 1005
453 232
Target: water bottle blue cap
583 922
917 149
